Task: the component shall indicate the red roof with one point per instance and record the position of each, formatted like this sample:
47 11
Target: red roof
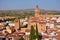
44 37
1 28
27 30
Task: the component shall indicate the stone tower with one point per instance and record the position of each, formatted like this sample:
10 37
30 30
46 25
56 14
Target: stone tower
17 24
37 11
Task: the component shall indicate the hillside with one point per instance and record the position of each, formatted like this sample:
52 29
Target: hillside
26 12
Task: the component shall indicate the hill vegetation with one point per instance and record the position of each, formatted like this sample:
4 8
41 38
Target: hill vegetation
24 13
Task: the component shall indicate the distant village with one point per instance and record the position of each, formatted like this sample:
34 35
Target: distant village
13 28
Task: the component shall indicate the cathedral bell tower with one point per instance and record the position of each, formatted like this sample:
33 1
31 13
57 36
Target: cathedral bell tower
37 11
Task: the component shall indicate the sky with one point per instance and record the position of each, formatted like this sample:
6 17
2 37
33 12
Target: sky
29 4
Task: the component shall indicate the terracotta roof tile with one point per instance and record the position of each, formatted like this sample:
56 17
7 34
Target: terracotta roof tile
44 37
27 30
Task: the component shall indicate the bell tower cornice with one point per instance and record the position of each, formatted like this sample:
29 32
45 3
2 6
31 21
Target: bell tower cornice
37 11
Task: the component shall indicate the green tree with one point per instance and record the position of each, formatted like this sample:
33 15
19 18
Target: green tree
7 24
37 35
32 33
21 38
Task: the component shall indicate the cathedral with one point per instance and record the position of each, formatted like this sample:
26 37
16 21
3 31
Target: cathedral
45 22
39 19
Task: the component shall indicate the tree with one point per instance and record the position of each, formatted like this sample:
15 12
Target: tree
32 33
37 35
21 38
7 24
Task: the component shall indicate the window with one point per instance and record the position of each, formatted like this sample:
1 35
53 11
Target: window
57 17
24 24
9 38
